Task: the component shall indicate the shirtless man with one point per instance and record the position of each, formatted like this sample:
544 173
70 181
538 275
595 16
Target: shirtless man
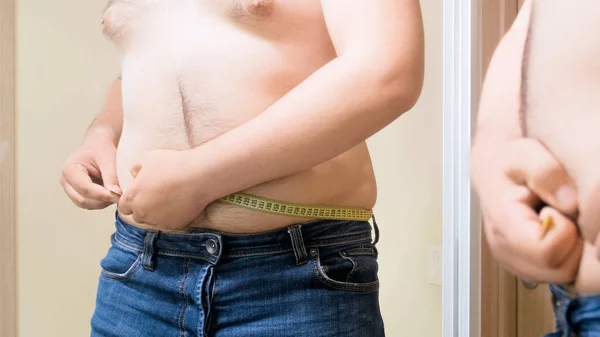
558 104
272 98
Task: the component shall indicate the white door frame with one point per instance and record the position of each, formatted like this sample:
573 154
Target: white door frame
461 294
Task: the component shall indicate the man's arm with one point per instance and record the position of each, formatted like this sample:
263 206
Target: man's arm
110 119
89 174
498 119
376 77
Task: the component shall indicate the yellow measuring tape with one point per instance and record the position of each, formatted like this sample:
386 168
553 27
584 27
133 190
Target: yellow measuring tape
297 210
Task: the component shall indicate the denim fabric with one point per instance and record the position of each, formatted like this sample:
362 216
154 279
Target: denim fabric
576 314
314 279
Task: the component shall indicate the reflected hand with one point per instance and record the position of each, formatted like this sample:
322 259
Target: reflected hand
511 182
163 193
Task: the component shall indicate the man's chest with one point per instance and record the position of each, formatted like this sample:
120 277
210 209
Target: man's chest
127 21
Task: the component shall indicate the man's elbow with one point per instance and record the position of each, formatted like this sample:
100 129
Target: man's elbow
401 86
406 94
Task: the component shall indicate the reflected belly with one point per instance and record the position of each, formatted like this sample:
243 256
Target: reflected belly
571 137
563 109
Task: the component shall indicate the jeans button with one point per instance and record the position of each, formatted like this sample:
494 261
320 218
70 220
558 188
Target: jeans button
211 246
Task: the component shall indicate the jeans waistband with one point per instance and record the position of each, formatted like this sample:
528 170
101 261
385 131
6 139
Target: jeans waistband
563 292
212 246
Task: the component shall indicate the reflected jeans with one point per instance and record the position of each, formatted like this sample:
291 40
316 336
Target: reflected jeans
576 314
313 279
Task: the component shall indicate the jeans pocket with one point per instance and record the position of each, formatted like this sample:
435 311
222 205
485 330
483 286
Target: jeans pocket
351 268
120 263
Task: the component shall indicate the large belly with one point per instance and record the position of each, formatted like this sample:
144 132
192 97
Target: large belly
568 127
563 106
573 139
563 110
192 92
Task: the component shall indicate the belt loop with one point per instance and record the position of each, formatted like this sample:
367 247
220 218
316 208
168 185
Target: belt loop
376 231
298 244
149 254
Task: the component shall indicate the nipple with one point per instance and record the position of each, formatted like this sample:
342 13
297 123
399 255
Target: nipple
105 23
259 8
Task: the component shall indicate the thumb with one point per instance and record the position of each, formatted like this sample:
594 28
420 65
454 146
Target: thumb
558 234
534 166
108 171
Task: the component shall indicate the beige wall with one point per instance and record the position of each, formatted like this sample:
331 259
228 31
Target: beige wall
408 164
64 67
63 70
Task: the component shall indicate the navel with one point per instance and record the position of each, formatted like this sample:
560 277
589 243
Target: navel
259 8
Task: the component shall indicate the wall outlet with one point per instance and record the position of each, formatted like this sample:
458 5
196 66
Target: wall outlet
434 264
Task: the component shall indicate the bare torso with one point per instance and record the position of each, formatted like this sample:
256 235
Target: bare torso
194 69
563 107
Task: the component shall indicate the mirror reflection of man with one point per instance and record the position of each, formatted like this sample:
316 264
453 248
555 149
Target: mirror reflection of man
536 150
234 146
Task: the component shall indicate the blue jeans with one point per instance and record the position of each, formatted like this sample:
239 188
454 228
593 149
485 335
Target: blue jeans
576 314
313 279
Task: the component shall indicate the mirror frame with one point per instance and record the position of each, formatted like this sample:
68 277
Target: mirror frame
461 220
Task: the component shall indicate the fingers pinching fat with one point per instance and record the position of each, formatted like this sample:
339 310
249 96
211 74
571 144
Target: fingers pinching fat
533 165
558 236
79 179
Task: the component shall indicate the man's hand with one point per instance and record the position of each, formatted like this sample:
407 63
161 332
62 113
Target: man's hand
89 174
510 184
163 194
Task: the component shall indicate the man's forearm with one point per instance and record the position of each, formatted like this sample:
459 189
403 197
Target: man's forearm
335 109
110 119
498 119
